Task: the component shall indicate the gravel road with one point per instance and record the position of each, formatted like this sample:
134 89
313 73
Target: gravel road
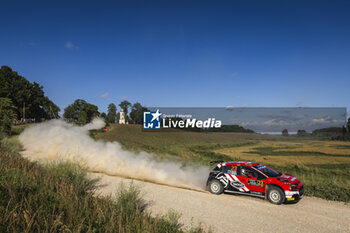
236 213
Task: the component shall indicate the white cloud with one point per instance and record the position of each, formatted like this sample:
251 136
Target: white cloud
105 95
248 123
276 122
70 45
326 120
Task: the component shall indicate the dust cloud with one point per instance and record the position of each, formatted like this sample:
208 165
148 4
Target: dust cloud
58 141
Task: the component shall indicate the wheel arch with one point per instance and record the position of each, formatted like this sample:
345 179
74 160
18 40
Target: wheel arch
268 186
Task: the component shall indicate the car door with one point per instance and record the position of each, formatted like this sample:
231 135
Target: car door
230 172
253 180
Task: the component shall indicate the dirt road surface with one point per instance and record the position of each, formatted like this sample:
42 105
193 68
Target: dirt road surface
236 213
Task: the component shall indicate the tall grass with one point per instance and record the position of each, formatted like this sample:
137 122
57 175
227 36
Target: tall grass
59 198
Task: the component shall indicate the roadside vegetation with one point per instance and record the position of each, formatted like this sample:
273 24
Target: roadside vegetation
323 165
59 198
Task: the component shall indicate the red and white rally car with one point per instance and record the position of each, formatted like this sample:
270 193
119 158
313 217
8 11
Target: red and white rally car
254 179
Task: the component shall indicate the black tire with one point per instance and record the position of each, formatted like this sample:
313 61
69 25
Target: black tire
215 187
275 195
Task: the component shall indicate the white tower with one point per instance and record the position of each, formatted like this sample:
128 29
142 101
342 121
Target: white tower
122 117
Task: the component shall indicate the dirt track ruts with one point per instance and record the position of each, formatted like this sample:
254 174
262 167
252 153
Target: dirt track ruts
237 213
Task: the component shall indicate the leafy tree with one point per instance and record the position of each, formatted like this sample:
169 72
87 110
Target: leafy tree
285 132
125 106
348 126
27 95
73 111
105 118
302 133
7 115
343 132
82 118
112 113
136 113
50 109
103 115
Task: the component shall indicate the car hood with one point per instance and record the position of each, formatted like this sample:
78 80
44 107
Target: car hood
288 178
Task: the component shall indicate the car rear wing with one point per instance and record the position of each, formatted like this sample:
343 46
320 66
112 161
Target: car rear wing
215 162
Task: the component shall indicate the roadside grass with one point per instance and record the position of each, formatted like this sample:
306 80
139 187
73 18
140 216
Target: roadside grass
329 182
59 198
322 165
18 129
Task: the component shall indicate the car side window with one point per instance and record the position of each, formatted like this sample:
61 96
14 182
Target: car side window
231 169
258 175
245 171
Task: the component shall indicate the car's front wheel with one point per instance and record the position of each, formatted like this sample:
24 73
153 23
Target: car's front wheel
275 195
216 187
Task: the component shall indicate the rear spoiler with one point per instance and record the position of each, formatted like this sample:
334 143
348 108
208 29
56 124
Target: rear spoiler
215 162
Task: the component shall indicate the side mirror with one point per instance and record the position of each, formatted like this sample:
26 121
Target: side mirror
250 176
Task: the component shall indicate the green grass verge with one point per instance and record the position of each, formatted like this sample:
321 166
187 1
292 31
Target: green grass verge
330 182
59 198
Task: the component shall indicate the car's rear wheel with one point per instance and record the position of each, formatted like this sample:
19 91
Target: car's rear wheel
275 195
216 187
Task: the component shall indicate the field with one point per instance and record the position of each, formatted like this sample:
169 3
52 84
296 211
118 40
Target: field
323 165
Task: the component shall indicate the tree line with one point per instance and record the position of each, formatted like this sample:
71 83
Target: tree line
21 99
333 133
83 112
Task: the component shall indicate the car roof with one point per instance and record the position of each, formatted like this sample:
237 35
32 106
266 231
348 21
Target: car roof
238 163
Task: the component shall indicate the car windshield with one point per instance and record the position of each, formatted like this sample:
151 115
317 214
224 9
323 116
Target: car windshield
267 171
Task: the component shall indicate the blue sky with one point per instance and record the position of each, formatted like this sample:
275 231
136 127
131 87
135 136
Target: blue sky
182 53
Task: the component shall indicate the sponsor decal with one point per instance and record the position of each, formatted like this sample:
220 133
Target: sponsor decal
233 170
259 183
237 184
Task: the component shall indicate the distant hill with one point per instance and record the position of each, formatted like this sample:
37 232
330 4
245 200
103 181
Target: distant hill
327 132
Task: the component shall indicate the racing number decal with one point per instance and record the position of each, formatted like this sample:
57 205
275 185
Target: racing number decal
233 170
259 183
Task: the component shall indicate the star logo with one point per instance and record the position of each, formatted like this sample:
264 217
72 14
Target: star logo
156 115
151 120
